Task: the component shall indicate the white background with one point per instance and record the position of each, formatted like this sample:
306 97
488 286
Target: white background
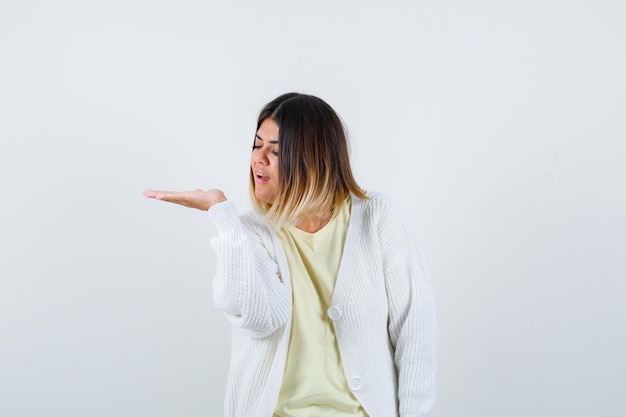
497 126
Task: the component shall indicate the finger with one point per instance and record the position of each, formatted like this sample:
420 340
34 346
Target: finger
169 196
158 193
150 193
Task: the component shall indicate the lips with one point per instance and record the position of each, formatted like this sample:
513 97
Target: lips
260 178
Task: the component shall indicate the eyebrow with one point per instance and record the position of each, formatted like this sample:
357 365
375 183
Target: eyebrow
274 142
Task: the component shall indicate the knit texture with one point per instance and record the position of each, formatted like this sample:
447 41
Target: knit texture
386 330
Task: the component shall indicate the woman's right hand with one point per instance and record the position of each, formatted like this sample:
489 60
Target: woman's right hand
198 199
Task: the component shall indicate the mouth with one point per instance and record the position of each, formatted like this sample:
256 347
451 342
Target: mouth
259 177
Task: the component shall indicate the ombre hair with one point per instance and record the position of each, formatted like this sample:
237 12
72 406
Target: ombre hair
313 160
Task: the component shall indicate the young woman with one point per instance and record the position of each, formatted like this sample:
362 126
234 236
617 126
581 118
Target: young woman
331 307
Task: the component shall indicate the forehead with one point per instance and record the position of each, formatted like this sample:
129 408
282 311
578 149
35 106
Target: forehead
268 131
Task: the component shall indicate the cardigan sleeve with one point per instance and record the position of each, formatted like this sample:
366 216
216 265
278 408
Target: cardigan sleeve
412 320
247 286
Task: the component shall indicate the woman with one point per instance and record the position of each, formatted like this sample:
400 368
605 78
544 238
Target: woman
331 307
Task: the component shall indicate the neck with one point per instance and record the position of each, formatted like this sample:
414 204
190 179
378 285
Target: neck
312 224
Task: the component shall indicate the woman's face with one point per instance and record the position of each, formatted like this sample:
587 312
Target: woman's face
264 161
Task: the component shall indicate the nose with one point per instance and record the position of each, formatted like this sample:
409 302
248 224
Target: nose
260 156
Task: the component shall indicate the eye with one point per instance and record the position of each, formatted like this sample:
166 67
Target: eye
255 146
274 151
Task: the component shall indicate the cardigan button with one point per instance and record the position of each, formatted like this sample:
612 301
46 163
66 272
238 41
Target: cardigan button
334 313
355 383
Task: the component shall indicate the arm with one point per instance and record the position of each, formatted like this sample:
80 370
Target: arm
247 285
412 319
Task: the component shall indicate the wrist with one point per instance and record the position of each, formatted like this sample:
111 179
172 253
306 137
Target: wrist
215 198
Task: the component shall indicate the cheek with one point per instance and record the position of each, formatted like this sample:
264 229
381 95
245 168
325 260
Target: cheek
275 167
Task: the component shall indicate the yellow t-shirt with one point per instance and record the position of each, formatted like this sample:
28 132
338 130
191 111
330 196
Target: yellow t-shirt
314 383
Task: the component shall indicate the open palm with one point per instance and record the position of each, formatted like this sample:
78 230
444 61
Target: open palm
198 199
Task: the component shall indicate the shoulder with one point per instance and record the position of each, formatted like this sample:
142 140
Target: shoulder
252 217
256 226
254 221
377 207
228 220
384 215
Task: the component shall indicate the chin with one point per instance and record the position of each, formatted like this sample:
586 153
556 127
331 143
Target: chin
262 197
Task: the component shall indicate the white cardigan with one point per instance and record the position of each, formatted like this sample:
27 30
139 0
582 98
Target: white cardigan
382 309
